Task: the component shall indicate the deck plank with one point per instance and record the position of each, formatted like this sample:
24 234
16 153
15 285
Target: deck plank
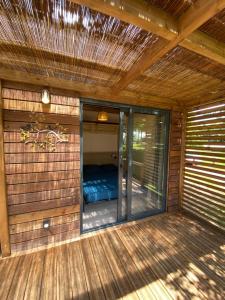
34 281
166 257
111 290
93 280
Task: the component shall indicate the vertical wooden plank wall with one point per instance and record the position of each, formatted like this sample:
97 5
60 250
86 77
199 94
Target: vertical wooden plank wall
175 149
41 184
4 227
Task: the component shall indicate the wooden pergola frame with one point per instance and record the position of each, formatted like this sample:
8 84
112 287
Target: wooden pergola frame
181 32
176 32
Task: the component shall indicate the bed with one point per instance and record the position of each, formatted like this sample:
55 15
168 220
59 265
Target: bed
100 183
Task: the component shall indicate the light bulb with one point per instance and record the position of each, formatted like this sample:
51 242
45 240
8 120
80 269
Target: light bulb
45 97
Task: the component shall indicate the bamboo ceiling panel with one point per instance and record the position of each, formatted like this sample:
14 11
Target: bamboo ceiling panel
215 27
175 8
63 38
183 75
60 39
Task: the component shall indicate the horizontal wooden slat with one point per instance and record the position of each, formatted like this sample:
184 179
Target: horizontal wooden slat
46 240
206 116
209 196
205 193
15 137
219 143
204 168
203 148
205 162
42 186
39 233
207 184
41 167
33 96
43 195
26 117
38 224
22 148
211 152
14 179
42 205
19 158
213 137
210 179
208 210
55 212
206 125
201 213
10 104
204 132
203 199
191 158
202 173
206 107
10 126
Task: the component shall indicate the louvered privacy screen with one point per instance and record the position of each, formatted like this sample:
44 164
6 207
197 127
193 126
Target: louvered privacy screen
204 178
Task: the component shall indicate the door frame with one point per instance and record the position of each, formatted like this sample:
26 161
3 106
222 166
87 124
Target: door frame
130 109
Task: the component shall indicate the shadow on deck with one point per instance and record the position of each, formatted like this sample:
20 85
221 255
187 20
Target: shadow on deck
167 257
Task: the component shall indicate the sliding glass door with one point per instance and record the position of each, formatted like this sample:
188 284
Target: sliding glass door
123 163
149 160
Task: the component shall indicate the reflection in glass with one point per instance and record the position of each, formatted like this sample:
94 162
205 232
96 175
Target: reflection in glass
147 163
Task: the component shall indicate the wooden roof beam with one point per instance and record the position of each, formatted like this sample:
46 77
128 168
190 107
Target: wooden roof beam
23 50
138 13
80 89
193 18
152 19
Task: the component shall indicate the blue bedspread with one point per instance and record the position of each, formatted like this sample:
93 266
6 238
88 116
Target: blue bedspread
100 183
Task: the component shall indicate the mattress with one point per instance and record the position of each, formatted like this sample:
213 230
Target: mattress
100 183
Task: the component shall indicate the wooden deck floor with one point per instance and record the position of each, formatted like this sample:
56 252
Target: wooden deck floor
167 257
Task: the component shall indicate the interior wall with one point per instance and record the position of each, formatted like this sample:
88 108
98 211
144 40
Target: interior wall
100 143
41 184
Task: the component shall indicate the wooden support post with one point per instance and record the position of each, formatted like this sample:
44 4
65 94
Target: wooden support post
182 161
4 225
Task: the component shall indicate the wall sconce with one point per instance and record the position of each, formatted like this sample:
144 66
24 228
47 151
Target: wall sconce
45 96
103 116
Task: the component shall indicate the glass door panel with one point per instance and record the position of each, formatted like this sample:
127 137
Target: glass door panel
148 163
123 166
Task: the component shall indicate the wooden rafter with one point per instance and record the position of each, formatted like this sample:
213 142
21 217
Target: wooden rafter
193 18
157 21
22 50
4 227
88 90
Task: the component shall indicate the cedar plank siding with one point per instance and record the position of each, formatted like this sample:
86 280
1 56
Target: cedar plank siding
174 160
38 180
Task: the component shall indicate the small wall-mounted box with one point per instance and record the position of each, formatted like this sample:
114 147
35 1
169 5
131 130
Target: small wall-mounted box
46 224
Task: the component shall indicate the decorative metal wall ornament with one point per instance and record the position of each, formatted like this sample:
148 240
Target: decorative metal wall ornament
42 135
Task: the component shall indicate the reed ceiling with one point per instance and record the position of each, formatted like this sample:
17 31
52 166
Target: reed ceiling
215 27
61 39
175 7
